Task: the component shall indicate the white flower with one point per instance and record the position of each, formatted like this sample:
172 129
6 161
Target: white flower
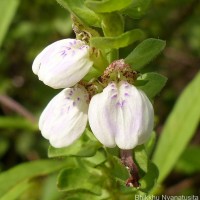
63 63
65 117
121 115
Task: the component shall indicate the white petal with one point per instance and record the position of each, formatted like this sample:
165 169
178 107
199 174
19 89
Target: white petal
65 117
99 122
121 115
63 63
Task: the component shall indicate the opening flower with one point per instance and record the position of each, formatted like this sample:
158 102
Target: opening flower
63 63
121 115
65 117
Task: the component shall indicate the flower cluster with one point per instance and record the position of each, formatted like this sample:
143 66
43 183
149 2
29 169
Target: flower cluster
120 115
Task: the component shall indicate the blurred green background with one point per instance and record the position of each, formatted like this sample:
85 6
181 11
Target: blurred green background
26 27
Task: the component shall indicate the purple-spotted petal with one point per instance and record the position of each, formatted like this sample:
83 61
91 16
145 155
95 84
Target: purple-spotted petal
63 63
65 117
121 115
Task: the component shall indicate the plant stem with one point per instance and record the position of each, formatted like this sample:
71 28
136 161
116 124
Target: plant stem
127 160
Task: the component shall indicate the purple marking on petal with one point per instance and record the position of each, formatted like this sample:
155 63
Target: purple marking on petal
126 94
120 104
82 47
66 47
70 93
78 99
126 86
68 98
74 103
63 53
114 96
112 85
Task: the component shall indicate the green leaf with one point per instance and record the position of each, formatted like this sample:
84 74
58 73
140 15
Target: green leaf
49 188
78 8
80 148
98 159
179 129
79 179
17 123
123 40
155 83
139 83
107 6
141 158
121 174
118 170
189 162
17 190
83 196
26 171
137 9
149 180
150 144
147 170
144 53
7 12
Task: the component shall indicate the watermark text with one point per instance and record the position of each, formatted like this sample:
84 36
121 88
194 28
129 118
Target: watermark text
166 197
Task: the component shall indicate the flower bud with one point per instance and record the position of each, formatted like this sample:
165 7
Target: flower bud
121 115
63 63
65 117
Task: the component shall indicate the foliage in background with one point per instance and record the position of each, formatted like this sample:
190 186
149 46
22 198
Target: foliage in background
25 29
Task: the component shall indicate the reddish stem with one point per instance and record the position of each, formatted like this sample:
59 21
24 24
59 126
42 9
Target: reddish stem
127 160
